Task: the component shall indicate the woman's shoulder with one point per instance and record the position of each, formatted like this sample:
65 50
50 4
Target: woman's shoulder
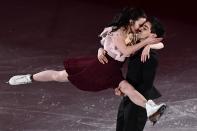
119 33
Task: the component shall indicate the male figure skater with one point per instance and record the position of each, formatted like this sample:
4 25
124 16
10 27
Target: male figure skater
141 75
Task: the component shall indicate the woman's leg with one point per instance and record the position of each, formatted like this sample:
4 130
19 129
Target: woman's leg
51 75
44 76
153 110
132 93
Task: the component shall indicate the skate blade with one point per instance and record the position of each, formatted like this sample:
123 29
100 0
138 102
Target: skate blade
156 116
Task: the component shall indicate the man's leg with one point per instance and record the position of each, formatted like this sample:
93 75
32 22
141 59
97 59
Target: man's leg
120 117
135 118
141 118
130 116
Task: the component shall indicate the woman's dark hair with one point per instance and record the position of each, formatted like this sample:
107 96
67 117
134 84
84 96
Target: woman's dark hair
123 18
156 26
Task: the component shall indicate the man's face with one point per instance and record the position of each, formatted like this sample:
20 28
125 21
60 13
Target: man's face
144 31
137 24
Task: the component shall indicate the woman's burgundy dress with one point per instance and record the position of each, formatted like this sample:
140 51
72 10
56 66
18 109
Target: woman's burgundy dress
88 74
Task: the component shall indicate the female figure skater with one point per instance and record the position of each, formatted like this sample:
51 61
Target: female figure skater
88 74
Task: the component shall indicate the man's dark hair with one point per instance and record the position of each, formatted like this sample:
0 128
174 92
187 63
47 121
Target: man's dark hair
156 26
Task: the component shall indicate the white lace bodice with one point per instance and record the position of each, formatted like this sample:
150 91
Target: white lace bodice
109 46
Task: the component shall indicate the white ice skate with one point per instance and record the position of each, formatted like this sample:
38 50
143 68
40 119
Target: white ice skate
20 79
154 111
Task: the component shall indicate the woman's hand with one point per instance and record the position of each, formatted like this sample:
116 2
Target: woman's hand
118 92
152 40
145 53
101 56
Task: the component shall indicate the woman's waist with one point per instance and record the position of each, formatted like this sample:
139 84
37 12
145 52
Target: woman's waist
112 60
116 57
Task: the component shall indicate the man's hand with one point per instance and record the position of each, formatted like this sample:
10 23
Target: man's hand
101 56
145 53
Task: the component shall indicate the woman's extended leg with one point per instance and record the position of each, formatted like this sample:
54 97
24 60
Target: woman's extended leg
51 75
43 76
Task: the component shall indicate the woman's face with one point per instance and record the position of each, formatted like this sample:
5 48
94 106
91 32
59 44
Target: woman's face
137 24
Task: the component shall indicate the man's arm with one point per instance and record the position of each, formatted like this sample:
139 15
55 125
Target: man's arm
146 51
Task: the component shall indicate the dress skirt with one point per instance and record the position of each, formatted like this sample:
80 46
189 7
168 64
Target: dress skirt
88 74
